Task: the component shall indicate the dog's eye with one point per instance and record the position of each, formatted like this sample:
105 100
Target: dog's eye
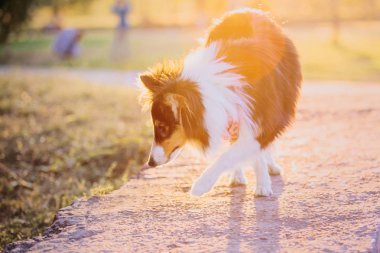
163 130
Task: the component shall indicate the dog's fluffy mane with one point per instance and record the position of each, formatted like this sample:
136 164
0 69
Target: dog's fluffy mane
164 72
247 70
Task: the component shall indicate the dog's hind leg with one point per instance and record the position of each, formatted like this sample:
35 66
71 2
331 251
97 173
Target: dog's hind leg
274 168
237 178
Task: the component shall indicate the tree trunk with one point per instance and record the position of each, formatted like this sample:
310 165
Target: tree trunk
335 21
4 33
372 9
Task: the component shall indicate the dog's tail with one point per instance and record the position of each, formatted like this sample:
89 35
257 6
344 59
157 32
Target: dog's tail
243 23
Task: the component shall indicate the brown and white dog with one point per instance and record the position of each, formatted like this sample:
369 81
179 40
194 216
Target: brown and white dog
247 77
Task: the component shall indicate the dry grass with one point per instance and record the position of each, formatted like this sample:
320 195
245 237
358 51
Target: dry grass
61 140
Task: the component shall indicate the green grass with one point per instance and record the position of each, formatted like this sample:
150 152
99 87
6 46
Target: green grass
61 140
356 57
140 48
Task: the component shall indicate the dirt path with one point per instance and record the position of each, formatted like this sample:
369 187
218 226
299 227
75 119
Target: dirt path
328 199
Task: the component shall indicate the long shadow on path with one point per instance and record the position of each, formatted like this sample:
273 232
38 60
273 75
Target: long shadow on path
257 229
236 216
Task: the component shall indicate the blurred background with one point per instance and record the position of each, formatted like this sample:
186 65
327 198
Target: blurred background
66 132
337 39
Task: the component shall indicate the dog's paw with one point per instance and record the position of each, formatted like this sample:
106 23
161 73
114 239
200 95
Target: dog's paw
237 180
263 191
275 169
200 187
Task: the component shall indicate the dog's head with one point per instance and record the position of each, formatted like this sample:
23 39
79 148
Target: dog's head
169 135
176 110
166 109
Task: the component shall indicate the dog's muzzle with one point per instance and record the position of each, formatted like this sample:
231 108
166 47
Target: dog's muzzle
152 162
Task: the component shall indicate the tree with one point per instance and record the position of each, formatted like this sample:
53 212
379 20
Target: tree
14 14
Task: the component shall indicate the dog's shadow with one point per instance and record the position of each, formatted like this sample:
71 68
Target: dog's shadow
255 231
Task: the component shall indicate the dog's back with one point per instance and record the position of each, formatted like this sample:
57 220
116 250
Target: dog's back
268 61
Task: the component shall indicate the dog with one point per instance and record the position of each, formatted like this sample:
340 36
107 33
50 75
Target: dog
230 99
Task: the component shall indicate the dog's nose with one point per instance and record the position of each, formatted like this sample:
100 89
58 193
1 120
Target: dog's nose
152 162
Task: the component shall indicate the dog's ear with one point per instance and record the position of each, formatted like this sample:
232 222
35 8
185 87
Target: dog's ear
150 82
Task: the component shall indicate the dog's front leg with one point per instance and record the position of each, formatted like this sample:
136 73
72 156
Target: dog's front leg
240 152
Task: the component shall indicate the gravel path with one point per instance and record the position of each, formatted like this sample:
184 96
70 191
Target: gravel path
328 199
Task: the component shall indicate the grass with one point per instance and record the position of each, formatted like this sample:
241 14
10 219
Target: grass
141 48
355 58
61 140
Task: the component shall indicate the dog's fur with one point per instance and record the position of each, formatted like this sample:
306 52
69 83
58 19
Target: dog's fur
246 71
